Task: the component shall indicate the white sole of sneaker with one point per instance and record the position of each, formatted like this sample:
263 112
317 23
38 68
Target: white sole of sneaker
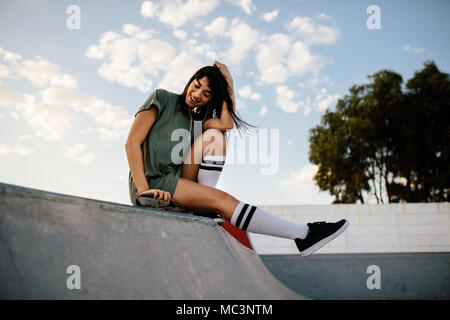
324 241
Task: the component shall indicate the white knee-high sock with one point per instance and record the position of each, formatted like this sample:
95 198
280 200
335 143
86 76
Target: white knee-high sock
210 170
252 219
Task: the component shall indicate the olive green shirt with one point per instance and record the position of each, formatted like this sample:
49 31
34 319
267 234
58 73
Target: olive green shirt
166 144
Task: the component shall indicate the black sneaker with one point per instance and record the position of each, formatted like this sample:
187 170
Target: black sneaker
320 233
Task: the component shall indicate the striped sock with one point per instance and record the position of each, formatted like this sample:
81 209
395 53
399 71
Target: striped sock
210 170
252 219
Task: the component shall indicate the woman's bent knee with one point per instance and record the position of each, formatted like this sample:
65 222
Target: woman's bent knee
222 198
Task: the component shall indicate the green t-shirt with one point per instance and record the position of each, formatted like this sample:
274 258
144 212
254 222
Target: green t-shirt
166 144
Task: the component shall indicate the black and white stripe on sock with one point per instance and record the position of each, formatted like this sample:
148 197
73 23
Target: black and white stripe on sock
245 216
210 169
256 220
212 165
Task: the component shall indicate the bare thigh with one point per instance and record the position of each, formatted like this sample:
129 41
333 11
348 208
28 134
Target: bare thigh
204 199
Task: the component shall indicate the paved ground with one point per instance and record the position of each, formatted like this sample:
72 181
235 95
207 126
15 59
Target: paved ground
366 275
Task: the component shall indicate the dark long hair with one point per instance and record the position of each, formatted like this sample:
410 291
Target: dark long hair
220 92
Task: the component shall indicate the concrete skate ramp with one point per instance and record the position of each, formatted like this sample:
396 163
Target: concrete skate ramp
122 252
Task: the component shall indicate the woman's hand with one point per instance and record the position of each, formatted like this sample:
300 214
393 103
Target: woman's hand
160 195
226 73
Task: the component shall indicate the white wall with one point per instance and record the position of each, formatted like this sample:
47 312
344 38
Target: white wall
402 227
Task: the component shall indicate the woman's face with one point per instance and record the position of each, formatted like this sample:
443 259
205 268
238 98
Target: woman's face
198 93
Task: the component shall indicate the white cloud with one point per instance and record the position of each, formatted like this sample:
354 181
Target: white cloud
4 71
6 98
247 92
255 96
179 71
325 100
180 34
217 28
246 5
115 120
263 111
24 151
278 58
78 154
5 149
406 47
200 49
136 60
131 29
21 150
243 39
99 51
286 99
177 13
61 97
51 123
323 16
301 60
46 113
271 58
301 183
25 137
131 60
311 32
270 16
148 9
306 105
43 73
48 121
409 48
9 56
240 104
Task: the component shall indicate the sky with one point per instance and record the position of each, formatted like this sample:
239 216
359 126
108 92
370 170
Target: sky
73 74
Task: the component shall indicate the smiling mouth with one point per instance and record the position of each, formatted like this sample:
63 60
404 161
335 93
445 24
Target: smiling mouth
192 100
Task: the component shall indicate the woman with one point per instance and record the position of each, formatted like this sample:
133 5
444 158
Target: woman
153 150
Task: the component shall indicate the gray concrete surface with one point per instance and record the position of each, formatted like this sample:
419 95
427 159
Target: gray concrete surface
349 276
122 252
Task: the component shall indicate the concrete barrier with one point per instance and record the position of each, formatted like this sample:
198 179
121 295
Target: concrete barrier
55 246
365 276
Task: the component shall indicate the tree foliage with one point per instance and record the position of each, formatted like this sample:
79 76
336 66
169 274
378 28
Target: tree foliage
387 142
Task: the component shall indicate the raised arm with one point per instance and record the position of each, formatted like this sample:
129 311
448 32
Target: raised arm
225 121
226 73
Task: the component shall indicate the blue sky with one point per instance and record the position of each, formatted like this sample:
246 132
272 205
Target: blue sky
68 96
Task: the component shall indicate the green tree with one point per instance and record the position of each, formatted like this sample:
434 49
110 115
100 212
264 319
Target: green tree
426 135
384 143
